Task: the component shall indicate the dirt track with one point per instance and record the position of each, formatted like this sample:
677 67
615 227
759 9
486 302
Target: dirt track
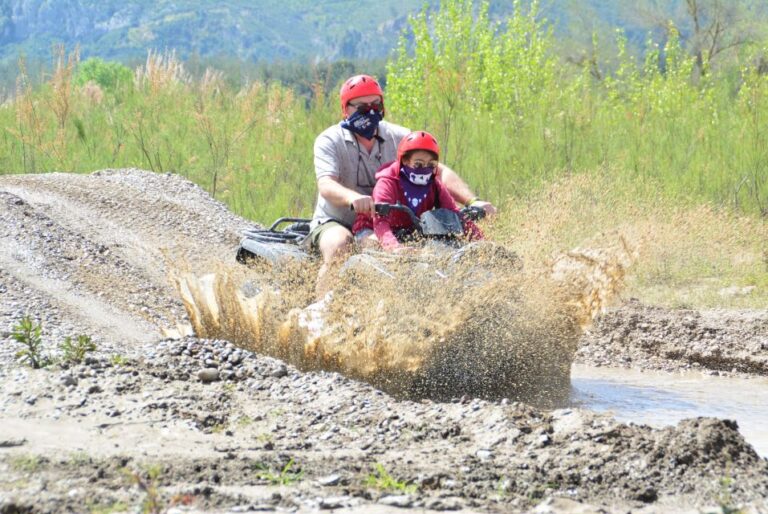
89 254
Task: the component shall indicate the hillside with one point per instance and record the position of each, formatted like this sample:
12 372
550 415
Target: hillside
267 30
271 30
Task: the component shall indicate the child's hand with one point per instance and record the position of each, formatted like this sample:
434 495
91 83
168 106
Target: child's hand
488 207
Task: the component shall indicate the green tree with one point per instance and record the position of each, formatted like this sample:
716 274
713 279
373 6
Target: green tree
107 74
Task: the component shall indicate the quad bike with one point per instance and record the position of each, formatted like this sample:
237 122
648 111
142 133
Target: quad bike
281 241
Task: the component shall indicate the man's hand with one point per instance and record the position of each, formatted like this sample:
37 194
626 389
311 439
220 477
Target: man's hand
363 205
488 207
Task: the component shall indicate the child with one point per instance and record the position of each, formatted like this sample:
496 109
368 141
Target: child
411 180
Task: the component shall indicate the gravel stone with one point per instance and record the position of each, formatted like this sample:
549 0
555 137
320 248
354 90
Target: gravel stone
208 375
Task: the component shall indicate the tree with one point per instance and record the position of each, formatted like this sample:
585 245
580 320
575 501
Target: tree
709 28
109 75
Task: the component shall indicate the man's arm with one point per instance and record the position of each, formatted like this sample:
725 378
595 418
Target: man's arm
341 196
461 192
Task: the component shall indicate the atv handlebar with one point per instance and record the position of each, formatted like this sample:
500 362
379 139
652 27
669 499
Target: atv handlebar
383 209
280 221
473 213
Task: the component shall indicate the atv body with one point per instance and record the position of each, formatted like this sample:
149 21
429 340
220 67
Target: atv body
287 238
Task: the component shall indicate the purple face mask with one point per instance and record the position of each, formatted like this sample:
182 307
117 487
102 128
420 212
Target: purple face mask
416 184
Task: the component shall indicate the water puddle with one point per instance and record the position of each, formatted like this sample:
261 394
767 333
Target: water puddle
659 399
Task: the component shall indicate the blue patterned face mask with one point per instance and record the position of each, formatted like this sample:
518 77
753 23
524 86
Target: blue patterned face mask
416 184
363 123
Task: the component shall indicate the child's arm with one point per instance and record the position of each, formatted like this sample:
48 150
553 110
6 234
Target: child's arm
362 221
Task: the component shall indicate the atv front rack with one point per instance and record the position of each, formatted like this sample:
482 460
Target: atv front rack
273 244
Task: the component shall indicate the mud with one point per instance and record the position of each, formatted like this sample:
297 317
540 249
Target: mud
150 422
646 337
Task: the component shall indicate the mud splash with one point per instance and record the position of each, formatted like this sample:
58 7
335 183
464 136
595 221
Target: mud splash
430 324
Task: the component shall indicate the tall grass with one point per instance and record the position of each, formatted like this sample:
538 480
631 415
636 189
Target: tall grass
250 148
510 116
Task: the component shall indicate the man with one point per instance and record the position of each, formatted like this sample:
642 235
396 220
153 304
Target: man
347 157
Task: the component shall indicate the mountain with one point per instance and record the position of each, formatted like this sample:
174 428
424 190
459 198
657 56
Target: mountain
261 30
286 30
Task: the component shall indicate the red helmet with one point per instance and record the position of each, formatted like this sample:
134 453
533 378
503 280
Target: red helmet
357 86
419 140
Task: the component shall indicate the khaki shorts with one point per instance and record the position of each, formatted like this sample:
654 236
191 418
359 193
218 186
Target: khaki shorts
316 233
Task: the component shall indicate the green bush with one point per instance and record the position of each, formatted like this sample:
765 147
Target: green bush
28 333
74 350
109 75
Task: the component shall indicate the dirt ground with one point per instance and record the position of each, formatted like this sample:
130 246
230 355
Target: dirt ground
158 420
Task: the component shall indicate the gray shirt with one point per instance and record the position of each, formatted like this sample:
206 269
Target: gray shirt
338 154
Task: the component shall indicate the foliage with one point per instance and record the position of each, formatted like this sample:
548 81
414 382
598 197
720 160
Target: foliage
74 350
287 475
148 483
118 360
109 75
510 116
26 463
28 333
380 479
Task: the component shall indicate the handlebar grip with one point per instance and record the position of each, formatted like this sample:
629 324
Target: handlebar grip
473 213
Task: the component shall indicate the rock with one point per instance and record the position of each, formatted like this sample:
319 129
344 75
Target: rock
12 443
94 389
235 357
563 505
280 372
334 502
68 380
484 455
647 495
208 375
329 480
448 503
403 501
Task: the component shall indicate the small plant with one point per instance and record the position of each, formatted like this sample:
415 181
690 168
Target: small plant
80 459
264 437
26 463
110 508
152 503
218 428
74 350
286 476
725 498
244 420
118 360
380 479
27 332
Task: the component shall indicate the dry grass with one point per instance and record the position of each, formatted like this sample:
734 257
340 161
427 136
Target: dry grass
161 72
687 253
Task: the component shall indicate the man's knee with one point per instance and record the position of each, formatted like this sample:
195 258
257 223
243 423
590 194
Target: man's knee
335 242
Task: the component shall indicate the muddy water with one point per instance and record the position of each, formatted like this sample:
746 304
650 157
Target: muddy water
659 399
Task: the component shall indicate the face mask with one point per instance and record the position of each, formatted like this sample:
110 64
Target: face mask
418 176
416 184
363 123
